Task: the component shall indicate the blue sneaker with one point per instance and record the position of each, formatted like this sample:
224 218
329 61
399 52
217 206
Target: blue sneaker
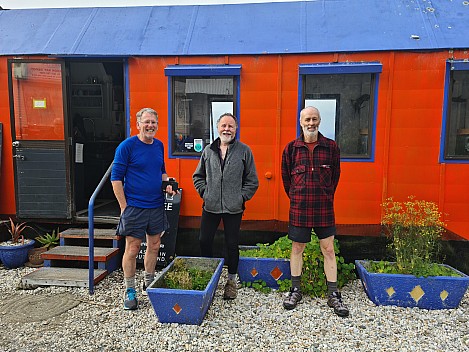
130 299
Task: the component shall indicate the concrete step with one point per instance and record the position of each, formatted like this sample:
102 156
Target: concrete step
71 277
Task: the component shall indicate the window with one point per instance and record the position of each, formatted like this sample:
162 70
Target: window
456 112
198 96
345 94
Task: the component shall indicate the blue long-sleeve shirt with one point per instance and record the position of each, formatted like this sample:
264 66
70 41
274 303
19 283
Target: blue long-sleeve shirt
140 167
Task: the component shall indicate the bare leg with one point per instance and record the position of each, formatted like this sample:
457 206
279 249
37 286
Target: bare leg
151 254
296 258
330 264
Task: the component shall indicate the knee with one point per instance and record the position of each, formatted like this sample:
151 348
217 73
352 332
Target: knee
132 249
297 248
328 251
154 245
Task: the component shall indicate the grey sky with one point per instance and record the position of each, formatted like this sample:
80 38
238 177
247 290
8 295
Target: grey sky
21 4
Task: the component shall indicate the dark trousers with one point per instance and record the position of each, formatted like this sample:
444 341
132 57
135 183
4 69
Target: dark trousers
208 228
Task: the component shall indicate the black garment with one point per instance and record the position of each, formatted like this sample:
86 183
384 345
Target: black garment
208 228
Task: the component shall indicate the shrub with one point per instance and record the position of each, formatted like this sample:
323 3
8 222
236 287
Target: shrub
313 279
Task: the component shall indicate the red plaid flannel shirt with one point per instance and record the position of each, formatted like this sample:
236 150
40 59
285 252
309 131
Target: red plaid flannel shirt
310 181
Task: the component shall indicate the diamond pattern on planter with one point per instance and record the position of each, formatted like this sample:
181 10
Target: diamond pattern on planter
177 308
254 272
390 291
444 294
417 293
276 273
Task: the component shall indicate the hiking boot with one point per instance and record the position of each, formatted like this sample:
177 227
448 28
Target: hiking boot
335 301
130 299
294 296
231 290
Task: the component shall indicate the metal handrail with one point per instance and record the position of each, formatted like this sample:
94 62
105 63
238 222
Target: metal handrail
91 229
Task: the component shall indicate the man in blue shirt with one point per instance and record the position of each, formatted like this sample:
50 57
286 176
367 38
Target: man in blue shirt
137 174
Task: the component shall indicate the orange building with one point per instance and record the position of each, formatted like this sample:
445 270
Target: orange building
392 86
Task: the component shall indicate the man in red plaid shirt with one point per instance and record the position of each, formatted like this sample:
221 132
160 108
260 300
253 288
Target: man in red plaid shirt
310 174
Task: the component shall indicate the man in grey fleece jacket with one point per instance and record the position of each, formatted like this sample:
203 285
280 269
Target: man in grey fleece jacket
225 178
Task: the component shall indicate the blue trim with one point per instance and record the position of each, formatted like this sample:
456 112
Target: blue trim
203 70
450 66
458 65
343 68
340 68
127 98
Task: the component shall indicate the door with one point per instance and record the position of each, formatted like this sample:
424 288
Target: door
39 134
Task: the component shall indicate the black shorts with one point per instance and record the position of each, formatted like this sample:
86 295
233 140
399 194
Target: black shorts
138 222
303 234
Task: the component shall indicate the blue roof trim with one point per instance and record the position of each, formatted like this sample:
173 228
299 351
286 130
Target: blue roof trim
459 65
340 68
203 70
450 66
319 26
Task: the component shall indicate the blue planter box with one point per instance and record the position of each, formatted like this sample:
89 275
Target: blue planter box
269 270
184 306
15 256
434 292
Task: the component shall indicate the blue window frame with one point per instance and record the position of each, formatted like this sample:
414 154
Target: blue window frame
455 127
346 96
198 95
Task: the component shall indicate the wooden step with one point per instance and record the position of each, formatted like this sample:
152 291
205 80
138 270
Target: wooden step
79 253
83 233
71 277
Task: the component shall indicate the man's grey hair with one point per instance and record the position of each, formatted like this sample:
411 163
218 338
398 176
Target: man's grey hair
230 115
311 107
148 110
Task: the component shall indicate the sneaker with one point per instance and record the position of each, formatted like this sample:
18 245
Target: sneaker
294 296
231 290
144 290
335 301
130 299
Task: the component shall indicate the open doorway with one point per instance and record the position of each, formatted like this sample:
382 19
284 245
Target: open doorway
96 103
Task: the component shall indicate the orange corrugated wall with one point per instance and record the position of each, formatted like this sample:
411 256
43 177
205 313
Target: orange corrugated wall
408 127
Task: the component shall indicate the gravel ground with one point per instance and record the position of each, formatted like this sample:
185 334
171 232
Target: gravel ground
253 322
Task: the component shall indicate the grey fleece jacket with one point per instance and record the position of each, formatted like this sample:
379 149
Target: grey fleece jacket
226 191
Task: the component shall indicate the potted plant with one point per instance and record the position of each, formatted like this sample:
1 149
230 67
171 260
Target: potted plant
183 291
414 279
269 266
14 252
48 241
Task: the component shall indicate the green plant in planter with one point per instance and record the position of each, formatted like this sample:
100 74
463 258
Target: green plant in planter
184 278
49 240
313 279
414 228
16 232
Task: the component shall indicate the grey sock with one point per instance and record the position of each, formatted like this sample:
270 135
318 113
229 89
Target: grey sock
296 282
129 282
148 278
331 287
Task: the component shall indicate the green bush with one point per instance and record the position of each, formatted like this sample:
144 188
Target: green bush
313 279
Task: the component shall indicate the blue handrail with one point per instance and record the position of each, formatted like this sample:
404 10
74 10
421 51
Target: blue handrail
91 229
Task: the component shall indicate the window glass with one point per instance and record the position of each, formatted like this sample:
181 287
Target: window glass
37 100
197 103
346 106
457 119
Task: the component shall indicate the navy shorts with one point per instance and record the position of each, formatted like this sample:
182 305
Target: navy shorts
303 234
138 222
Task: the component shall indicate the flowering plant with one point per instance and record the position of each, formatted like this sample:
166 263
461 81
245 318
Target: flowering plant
415 228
